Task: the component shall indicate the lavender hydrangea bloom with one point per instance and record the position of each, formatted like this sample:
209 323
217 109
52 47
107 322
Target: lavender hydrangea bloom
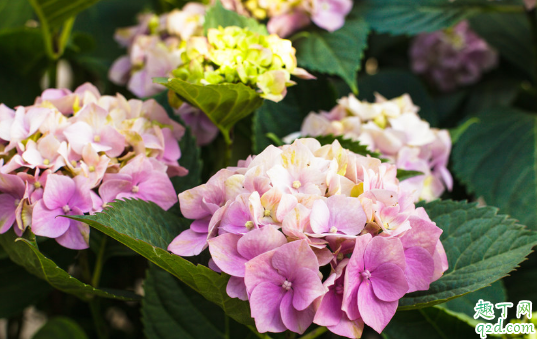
452 57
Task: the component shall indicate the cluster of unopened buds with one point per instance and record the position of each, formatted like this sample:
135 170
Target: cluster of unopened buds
74 152
394 129
274 220
452 57
238 55
288 16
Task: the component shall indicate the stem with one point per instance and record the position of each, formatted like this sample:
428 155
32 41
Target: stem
226 334
53 74
100 324
315 333
64 37
99 264
229 147
259 335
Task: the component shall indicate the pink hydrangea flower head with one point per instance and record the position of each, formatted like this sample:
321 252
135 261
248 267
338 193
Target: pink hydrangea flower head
12 191
330 14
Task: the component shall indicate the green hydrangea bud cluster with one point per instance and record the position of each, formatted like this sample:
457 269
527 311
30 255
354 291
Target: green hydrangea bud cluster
238 55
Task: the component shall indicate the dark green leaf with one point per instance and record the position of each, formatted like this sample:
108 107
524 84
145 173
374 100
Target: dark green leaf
171 310
218 16
53 13
14 13
23 252
455 133
148 230
463 307
417 16
496 159
224 104
60 328
286 117
338 53
18 288
430 323
394 83
481 247
510 35
404 174
351 145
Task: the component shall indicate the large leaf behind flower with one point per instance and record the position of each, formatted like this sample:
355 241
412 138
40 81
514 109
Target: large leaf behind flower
218 16
60 328
481 247
224 104
497 160
53 13
338 53
25 253
148 230
417 16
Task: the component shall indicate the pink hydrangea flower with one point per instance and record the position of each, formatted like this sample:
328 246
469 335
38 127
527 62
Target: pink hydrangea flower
452 57
282 285
274 219
375 280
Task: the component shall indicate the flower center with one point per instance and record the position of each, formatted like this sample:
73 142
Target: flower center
296 184
135 189
37 185
66 209
73 163
97 138
287 285
46 162
92 169
333 229
366 274
249 225
266 213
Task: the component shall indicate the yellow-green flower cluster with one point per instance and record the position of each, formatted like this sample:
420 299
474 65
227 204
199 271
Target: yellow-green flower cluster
238 55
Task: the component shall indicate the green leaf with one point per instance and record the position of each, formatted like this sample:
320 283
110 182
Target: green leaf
286 116
24 253
351 145
497 160
171 310
463 307
337 53
148 230
14 13
217 16
224 104
481 247
404 174
60 328
510 35
417 16
430 323
394 83
53 13
18 289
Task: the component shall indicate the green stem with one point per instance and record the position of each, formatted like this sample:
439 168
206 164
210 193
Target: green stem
226 334
229 147
64 36
315 333
100 324
53 74
99 264
259 335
